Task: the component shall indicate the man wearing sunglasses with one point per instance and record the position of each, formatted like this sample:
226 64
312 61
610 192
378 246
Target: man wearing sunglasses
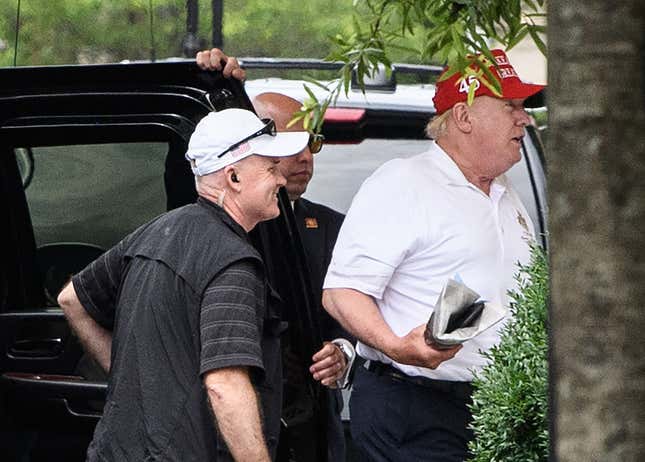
318 226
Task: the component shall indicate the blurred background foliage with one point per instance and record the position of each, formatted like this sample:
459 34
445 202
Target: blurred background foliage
362 34
96 31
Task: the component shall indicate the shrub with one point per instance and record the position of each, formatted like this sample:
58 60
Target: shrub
510 398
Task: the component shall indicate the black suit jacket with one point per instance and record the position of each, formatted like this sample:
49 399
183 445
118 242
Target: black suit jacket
318 226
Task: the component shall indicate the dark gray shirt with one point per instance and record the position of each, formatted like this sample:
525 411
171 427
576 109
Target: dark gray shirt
183 295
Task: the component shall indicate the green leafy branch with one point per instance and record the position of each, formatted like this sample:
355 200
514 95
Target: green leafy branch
453 32
510 403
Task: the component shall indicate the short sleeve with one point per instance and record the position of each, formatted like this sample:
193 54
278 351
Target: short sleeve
97 286
376 235
231 318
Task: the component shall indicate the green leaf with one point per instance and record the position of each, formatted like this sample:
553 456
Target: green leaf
471 92
310 93
486 77
296 117
532 5
538 28
346 78
538 40
313 81
518 37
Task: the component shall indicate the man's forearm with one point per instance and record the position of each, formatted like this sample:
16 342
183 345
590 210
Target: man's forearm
359 314
96 340
363 320
237 411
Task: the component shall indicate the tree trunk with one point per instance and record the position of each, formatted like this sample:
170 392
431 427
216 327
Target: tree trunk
596 178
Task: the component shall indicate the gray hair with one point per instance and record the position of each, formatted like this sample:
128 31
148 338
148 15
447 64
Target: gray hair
437 125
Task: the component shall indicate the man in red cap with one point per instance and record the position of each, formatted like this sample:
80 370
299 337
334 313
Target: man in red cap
451 214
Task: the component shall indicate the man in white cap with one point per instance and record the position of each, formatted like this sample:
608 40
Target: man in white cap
447 213
179 312
318 228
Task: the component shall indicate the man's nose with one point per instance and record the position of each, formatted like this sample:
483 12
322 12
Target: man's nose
523 118
304 155
281 180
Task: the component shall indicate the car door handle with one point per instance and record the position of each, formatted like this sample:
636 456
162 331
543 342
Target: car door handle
36 348
80 397
52 385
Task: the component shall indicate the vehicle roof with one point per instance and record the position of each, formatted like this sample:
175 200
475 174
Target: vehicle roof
381 93
87 76
173 71
406 97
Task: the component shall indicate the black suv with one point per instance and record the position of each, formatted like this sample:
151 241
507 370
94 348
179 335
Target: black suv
89 153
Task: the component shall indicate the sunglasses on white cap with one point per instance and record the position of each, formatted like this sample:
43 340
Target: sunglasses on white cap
268 129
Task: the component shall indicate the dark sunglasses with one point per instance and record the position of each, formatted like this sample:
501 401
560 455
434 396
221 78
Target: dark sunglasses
316 141
268 129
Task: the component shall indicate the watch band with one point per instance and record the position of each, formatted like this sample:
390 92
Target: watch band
346 347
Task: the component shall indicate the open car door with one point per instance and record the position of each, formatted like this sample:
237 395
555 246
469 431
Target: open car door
87 154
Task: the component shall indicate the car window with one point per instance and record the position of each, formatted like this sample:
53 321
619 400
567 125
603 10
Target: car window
93 194
340 169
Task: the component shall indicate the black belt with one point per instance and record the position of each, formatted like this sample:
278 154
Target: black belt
461 390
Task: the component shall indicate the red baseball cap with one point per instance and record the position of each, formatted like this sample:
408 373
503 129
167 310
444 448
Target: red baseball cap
455 89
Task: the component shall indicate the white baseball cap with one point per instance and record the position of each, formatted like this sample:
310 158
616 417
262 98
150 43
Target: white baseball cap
225 137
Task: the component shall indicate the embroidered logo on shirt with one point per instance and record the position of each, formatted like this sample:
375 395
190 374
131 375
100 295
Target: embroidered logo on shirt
311 223
522 221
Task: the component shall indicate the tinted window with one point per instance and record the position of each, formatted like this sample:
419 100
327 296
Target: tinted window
81 200
92 194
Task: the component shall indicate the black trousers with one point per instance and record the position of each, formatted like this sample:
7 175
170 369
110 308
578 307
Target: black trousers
297 442
394 419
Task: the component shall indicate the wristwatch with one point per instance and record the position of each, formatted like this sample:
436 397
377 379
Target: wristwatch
346 347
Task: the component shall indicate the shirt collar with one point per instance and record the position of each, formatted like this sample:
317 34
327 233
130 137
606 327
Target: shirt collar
497 188
222 215
453 175
449 169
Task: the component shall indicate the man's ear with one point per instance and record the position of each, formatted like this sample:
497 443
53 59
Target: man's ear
232 179
461 115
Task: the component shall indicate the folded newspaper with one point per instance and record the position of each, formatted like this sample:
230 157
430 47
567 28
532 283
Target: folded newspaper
460 315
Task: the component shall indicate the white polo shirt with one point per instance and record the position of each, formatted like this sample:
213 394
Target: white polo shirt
414 224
